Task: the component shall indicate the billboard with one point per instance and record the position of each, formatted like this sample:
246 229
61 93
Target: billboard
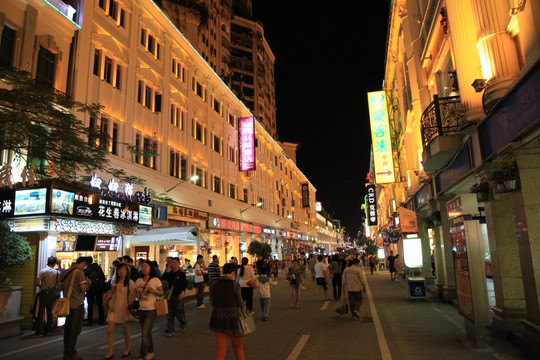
246 140
30 202
371 206
380 138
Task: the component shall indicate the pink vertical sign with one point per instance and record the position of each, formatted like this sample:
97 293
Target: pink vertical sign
247 143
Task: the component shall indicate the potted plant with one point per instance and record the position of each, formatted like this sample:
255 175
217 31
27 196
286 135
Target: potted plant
505 176
482 190
15 250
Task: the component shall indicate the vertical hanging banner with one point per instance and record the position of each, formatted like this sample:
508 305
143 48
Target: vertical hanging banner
380 138
246 139
371 206
305 195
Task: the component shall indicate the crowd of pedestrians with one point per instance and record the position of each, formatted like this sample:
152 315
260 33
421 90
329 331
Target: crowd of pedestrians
132 292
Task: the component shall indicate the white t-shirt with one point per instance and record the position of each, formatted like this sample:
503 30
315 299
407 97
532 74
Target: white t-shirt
319 269
147 300
198 278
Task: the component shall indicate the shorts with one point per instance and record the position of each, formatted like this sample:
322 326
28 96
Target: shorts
321 282
392 269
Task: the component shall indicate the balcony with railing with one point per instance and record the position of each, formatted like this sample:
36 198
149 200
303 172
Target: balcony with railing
442 124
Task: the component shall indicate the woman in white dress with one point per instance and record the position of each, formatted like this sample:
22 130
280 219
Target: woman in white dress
149 287
123 294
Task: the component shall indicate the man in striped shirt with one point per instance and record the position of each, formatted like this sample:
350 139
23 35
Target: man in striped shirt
213 270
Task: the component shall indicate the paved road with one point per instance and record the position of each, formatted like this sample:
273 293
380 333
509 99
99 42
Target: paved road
401 329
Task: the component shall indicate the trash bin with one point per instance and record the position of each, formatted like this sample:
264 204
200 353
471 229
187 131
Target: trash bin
416 288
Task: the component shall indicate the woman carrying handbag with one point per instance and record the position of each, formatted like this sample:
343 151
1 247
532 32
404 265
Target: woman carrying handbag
248 282
149 287
123 294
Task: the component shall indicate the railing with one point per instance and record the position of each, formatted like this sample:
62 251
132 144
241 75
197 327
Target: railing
442 117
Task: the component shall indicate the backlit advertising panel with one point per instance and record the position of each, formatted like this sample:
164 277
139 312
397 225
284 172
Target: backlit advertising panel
30 202
371 206
246 140
62 202
380 138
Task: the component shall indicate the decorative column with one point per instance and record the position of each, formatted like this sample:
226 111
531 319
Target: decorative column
498 53
526 213
466 60
446 274
509 307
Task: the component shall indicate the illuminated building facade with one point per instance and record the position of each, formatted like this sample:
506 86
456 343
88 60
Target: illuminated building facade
463 106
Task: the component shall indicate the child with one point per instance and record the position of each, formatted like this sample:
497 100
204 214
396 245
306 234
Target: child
264 282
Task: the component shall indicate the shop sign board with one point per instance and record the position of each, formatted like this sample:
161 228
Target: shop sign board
408 220
305 195
246 135
185 212
380 137
464 204
234 225
371 206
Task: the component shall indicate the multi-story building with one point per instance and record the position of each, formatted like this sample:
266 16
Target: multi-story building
234 45
461 86
172 123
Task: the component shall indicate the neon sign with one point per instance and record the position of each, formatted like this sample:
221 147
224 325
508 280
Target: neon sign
380 137
247 143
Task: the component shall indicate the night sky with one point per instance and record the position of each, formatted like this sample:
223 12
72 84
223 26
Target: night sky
328 56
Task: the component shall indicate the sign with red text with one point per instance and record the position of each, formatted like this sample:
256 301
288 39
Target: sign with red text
247 143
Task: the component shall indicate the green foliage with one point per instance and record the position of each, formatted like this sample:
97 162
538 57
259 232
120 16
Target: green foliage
15 251
257 249
368 244
39 125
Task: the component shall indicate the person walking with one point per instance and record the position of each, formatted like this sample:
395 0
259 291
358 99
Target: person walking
47 281
199 270
263 283
214 271
74 321
335 266
311 264
275 266
247 283
96 288
372 263
148 289
321 273
390 262
354 285
177 284
227 305
295 281
124 293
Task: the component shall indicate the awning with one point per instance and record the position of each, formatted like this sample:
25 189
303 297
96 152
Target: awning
173 235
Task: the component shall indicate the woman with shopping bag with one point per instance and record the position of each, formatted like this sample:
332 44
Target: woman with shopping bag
149 288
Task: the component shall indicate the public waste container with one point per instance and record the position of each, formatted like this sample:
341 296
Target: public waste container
416 288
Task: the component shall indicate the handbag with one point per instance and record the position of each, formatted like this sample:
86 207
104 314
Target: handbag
252 284
133 308
162 307
246 324
62 306
51 294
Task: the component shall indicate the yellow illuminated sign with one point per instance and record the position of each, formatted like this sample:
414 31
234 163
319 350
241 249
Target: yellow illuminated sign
380 138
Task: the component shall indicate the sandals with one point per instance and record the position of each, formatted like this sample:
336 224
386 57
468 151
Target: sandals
170 335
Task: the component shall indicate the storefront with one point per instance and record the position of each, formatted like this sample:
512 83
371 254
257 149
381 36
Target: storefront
229 238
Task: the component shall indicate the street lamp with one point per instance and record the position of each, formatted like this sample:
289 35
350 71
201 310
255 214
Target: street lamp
288 217
193 178
259 204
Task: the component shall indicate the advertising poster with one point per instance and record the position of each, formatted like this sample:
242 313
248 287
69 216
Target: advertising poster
65 242
62 202
461 265
145 215
30 202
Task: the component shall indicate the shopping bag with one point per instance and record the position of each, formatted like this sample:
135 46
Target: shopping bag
343 309
61 308
162 307
246 324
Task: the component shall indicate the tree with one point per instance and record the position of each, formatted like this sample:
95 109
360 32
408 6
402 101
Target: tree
15 251
39 126
368 244
257 249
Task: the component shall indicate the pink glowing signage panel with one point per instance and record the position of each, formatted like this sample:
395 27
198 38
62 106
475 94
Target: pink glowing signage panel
247 143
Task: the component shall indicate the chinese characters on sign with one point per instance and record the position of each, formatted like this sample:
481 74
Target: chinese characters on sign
380 137
371 206
247 143
305 195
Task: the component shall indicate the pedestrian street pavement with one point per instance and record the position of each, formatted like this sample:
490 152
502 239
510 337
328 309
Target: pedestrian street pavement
400 329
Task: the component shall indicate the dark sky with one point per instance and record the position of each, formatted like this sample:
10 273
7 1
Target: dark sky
328 56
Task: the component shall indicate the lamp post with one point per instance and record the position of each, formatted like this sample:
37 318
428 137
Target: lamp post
193 179
259 204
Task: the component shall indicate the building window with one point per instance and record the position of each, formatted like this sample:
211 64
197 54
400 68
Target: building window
216 105
201 176
107 70
151 43
45 67
199 89
245 197
112 71
174 166
231 120
216 144
178 69
198 131
104 130
177 116
114 140
217 185
97 63
148 97
232 155
232 191
118 77
113 9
